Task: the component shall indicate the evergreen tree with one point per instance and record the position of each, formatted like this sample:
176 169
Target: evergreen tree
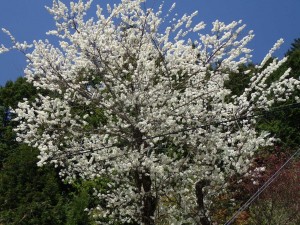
285 123
30 195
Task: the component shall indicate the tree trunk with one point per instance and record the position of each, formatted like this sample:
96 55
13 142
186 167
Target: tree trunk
143 182
149 202
204 220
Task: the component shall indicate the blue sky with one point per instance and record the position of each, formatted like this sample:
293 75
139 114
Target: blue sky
270 19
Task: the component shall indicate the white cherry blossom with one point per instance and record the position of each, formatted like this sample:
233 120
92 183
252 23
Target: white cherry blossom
129 97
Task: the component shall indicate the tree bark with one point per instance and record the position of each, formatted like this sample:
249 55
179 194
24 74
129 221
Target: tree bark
204 220
149 202
144 184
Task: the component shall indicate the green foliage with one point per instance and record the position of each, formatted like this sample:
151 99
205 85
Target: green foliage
30 195
239 81
295 46
285 124
271 212
13 92
10 95
82 199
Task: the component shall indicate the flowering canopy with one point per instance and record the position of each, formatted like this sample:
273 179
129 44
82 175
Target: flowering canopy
132 98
